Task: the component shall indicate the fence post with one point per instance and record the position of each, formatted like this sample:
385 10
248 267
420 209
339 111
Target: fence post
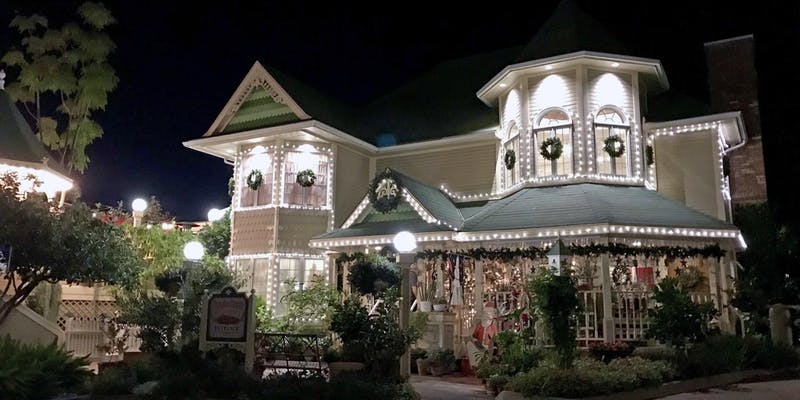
608 309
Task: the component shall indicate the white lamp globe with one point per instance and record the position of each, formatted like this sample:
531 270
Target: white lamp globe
215 214
404 242
139 205
193 251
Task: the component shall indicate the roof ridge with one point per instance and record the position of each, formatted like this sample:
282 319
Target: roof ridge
497 205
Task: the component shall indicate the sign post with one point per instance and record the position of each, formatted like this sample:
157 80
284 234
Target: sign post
228 321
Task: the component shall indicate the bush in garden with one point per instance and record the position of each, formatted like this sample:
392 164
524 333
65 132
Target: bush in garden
648 373
556 299
606 352
372 274
676 320
111 381
444 358
38 371
727 353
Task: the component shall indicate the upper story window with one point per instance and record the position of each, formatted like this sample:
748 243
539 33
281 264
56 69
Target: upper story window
511 146
258 160
303 158
611 147
553 123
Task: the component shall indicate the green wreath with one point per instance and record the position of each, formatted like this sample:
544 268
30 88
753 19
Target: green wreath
614 146
510 159
306 178
385 191
255 179
648 152
231 186
551 148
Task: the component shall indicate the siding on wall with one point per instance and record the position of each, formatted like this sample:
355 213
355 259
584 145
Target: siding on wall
352 180
297 227
610 88
464 170
253 232
554 90
686 171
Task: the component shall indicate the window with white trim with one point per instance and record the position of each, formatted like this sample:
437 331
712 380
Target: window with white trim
553 123
259 159
306 157
511 176
299 271
608 123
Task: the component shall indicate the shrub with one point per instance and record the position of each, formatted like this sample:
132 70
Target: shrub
676 320
38 371
145 369
372 274
442 357
728 353
609 351
647 373
556 299
499 381
112 381
487 369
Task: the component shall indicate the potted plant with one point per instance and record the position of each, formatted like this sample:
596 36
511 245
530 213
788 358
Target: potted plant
419 363
425 296
496 384
442 361
440 304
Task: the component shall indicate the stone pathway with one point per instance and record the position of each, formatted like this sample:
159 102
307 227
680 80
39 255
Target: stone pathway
431 388
773 390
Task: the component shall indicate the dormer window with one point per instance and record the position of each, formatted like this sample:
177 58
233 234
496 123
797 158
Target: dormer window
553 123
611 146
511 157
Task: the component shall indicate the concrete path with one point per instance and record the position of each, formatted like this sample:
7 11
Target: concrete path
438 389
773 390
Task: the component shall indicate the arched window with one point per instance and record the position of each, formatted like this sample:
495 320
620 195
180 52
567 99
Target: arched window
511 175
553 123
609 123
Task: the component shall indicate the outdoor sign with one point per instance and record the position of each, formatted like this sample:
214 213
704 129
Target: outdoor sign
227 317
228 320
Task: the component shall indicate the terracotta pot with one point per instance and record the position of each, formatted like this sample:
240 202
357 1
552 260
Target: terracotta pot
425 306
339 366
423 366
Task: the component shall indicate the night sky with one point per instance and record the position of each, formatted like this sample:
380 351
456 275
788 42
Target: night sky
179 64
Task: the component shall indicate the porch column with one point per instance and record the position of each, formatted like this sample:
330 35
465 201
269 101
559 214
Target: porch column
712 266
608 310
478 291
726 285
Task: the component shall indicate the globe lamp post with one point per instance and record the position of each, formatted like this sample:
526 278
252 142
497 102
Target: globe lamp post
405 243
138 206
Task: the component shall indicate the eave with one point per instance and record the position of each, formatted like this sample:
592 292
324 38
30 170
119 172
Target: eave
730 125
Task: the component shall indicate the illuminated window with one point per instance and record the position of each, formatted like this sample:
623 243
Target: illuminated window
252 274
306 157
553 123
299 271
257 159
608 122
511 176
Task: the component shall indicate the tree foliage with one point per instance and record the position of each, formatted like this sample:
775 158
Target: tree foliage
677 320
63 77
555 298
51 245
216 237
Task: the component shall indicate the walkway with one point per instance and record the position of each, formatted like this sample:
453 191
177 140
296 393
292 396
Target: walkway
773 390
431 388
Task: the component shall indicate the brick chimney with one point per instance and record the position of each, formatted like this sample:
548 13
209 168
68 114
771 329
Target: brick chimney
733 84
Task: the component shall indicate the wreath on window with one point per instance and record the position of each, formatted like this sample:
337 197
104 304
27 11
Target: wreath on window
510 159
255 179
385 191
551 148
614 146
231 186
306 178
648 153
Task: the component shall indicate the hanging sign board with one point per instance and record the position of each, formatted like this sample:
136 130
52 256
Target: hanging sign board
228 320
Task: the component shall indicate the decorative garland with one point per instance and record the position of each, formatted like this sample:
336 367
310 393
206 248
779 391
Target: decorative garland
385 191
649 155
231 186
255 179
306 178
510 159
614 146
592 250
551 148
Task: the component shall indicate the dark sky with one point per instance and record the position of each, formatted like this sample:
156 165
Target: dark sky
179 64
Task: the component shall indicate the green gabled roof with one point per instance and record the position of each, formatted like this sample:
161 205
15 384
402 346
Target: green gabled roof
434 200
259 110
585 204
567 30
384 228
17 140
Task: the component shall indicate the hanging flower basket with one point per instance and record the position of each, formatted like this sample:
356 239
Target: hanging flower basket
306 178
551 148
614 146
510 159
255 179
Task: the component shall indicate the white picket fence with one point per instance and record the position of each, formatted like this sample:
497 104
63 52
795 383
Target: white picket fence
86 338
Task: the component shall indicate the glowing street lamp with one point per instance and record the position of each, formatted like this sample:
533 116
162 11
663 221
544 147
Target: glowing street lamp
405 243
193 251
138 206
215 214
